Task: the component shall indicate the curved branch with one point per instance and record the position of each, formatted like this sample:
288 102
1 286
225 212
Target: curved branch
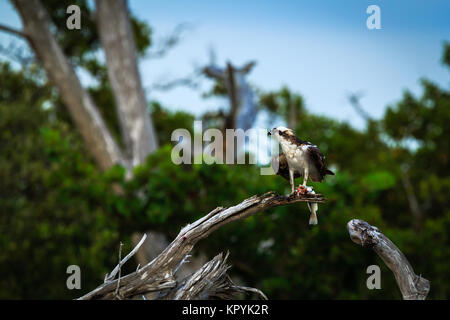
16 32
158 275
122 262
412 286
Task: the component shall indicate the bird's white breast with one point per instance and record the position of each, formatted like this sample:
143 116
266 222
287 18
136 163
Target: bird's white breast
295 155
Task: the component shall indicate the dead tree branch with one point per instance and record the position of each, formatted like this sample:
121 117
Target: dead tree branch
188 81
120 270
112 275
210 281
13 31
354 100
164 45
17 53
242 112
412 286
158 275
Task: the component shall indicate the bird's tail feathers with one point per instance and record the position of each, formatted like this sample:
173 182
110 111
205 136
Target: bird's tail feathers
313 219
313 216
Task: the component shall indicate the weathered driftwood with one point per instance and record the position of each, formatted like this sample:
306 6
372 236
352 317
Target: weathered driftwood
210 282
158 275
412 286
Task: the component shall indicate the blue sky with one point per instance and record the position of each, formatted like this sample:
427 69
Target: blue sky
321 49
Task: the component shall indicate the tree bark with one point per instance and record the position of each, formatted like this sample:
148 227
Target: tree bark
98 139
117 38
412 286
210 282
158 275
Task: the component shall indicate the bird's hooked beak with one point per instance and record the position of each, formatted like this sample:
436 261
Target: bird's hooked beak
270 132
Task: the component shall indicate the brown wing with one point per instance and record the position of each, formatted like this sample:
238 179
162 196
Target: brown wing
283 167
318 160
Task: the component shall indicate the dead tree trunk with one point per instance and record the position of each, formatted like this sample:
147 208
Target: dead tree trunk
242 113
98 139
412 286
159 274
117 38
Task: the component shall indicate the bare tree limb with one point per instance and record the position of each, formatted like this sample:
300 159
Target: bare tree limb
354 100
113 273
242 112
158 275
200 284
17 53
13 31
165 44
210 282
252 290
188 81
412 286
116 293
214 72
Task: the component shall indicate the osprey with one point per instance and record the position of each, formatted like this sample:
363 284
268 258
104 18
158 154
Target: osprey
299 158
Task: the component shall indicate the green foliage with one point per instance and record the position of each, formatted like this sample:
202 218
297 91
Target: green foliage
280 103
50 214
57 209
168 121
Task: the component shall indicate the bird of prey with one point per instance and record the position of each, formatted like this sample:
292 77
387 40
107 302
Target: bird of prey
299 158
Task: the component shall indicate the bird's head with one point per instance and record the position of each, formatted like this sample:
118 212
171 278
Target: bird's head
280 132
